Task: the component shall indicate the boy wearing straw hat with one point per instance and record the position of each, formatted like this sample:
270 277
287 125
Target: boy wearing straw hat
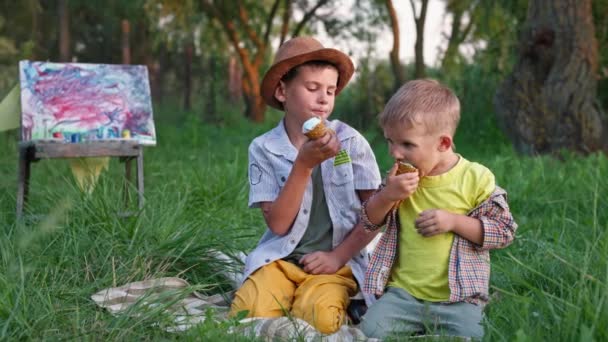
313 254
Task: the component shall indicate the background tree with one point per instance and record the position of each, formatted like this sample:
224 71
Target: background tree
63 19
419 19
394 54
549 101
249 26
464 13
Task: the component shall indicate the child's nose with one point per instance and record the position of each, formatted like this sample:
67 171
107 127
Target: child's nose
323 97
395 153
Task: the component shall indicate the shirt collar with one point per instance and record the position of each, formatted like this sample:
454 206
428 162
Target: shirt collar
278 143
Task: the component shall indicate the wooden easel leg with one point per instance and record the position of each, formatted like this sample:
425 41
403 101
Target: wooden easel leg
127 181
140 178
23 180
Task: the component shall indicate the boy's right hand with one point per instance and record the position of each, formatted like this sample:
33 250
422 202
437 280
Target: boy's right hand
314 152
400 187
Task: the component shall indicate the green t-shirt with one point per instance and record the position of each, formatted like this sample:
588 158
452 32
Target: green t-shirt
318 235
421 267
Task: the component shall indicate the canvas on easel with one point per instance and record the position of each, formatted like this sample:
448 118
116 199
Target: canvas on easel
72 110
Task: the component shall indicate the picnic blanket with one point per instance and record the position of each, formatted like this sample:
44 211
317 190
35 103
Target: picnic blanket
187 307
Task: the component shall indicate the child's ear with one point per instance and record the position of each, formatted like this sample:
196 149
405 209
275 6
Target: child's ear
445 143
279 92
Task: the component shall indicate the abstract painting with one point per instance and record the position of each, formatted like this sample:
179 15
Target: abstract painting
78 102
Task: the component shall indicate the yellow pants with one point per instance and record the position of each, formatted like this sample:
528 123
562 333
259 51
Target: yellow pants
281 288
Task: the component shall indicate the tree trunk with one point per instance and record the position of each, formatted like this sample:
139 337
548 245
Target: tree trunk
188 51
64 31
254 103
126 49
394 55
163 65
234 80
549 101
211 103
420 71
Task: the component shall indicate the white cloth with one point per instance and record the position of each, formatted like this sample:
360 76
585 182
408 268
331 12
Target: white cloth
185 307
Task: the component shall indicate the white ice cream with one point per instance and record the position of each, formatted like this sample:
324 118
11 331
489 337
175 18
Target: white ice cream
310 124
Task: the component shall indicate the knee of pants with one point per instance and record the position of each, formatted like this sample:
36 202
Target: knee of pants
257 304
326 319
267 293
325 309
372 328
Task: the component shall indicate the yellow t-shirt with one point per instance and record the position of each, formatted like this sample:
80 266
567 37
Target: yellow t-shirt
421 267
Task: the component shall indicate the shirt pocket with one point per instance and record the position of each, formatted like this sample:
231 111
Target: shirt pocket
343 174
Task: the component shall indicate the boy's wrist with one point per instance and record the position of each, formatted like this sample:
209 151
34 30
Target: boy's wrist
300 166
383 198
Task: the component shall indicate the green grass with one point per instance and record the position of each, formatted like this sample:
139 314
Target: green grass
550 284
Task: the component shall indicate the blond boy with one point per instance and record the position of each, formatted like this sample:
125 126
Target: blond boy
312 256
432 264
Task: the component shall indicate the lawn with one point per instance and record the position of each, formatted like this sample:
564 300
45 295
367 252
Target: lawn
550 284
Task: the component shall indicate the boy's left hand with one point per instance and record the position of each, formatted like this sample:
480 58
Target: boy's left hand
320 263
434 221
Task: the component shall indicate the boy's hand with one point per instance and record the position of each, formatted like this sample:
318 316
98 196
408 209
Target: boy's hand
399 187
435 221
314 152
321 263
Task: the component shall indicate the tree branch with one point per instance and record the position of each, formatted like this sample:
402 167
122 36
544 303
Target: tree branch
307 16
285 22
244 19
230 31
414 10
269 20
467 29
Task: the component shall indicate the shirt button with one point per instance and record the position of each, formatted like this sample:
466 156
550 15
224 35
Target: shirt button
305 211
282 179
292 242
267 260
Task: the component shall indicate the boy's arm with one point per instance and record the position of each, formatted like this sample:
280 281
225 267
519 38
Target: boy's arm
397 188
437 221
355 241
281 213
489 226
498 224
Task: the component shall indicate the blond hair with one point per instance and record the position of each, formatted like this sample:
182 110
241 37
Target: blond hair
423 102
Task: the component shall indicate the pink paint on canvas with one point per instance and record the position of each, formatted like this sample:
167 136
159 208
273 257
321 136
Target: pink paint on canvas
97 101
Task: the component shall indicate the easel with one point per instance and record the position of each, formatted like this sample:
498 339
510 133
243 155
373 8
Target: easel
127 151
117 101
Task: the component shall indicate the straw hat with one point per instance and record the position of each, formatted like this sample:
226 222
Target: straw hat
298 51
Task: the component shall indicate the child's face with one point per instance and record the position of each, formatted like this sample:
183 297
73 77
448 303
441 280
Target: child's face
412 144
311 93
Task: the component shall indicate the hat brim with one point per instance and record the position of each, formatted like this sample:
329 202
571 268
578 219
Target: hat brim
271 80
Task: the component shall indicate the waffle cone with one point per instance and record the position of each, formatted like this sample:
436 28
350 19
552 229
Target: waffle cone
317 132
405 168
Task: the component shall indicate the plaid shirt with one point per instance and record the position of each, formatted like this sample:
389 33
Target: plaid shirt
469 264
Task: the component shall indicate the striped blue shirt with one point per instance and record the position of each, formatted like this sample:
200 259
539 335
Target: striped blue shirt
271 157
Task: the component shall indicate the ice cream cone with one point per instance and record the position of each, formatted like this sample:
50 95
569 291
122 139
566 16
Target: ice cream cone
314 128
405 168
